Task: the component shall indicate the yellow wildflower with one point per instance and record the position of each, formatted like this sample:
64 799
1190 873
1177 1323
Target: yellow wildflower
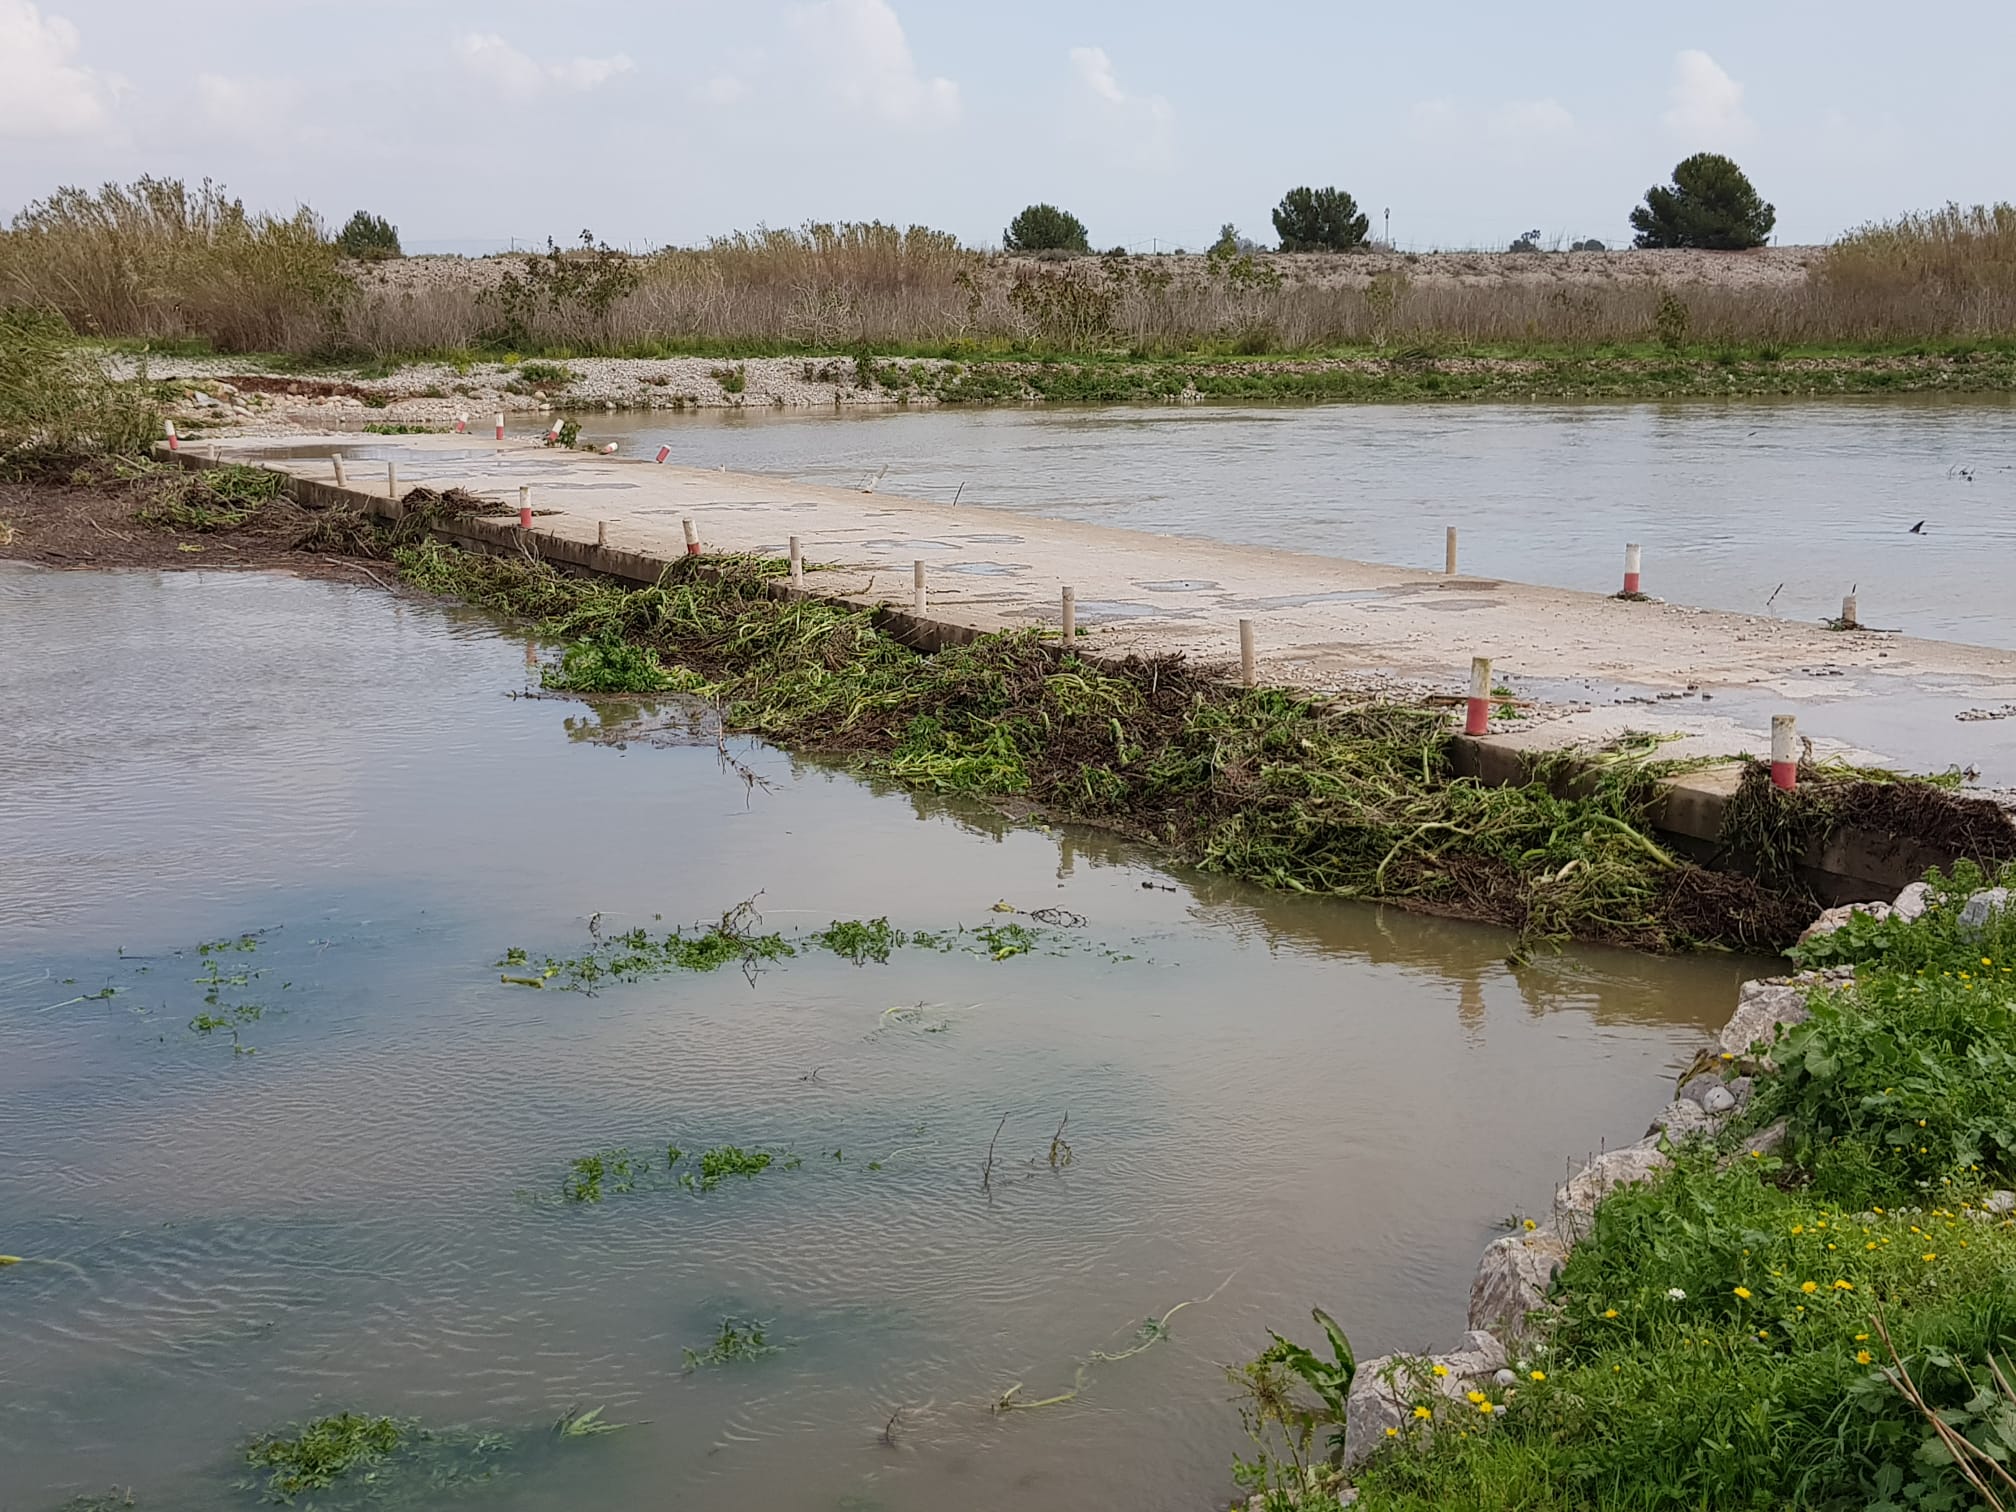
1423 1412
1441 1370
1474 1397
1609 1312
1743 1292
1539 1375
1809 1287
1863 1357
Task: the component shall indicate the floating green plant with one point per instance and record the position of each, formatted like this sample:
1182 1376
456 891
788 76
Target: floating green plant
739 1340
860 942
320 1452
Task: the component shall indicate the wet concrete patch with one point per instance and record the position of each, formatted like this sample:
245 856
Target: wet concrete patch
983 539
1179 585
1303 600
900 543
987 569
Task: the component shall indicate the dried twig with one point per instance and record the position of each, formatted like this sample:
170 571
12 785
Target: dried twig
1968 1458
987 1171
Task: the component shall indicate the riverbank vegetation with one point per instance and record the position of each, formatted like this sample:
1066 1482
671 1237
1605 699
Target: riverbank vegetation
1828 1323
160 262
1352 799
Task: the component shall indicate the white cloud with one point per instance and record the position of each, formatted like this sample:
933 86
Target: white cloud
858 46
521 77
724 89
1148 119
1529 118
242 105
1707 104
44 90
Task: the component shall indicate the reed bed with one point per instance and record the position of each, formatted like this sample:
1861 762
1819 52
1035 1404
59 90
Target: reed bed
160 261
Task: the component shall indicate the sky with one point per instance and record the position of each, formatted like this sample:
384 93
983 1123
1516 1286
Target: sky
474 123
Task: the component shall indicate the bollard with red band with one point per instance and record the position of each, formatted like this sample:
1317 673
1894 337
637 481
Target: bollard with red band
1633 559
1477 713
500 425
609 448
1785 751
174 441
553 430
692 538
462 423
524 507
664 452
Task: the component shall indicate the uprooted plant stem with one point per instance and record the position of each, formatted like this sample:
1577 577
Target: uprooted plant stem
1354 800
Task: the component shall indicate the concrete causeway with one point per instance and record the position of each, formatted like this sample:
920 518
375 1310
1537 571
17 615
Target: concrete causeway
1706 679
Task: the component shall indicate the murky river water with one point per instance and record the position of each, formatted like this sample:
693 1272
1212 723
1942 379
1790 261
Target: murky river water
1324 1103
1759 506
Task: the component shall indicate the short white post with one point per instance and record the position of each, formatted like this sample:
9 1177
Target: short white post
1248 668
391 479
1477 713
462 423
1785 751
500 425
1848 619
1449 552
524 506
1633 560
174 441
1070 616
337 458
692 538
797 564
213 451
917 598
553 430
601 532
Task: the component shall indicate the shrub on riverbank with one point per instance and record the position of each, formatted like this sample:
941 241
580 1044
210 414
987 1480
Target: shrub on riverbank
1734 1333
57 406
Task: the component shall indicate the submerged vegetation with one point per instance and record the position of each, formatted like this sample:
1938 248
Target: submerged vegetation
1823 1322
740 1339
1353 799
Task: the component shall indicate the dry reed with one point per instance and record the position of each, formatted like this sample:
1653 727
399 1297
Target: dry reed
157 261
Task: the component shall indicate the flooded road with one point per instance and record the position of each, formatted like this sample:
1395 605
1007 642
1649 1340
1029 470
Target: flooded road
351 1197
1776 507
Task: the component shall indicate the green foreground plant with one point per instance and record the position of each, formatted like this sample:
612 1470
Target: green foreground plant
1826 1327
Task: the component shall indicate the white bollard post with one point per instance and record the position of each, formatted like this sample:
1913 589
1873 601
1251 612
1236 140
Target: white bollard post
797 564
1449 552
917 599
1848 619
1070 617
692 538
337 458
1785 751
174 441
500 425
391 479
553 430
1249 671
1477 713
1633 560
601 532
462 423
524 506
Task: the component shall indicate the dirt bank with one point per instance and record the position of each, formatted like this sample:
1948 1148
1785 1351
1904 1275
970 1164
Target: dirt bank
96 526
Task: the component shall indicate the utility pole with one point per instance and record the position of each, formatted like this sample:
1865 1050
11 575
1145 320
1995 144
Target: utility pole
1389 225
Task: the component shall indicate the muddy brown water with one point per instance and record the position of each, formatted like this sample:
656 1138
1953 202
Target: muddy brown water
1773 507
1326 1103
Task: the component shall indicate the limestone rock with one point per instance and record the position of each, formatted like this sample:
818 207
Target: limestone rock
1912 902
1982 907
1718 1100
1576 1199
2000 1203
1512 1280
1761 1008
1384 1391
1683 1116
1835 918
1766 1140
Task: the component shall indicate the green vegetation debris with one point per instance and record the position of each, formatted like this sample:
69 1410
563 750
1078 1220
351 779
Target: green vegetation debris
861 942
316 1454
739 1340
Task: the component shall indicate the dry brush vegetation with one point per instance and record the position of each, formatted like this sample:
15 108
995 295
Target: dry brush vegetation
161 262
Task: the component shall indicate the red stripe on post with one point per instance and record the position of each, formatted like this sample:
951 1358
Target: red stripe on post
1477 717
1785 774
664 452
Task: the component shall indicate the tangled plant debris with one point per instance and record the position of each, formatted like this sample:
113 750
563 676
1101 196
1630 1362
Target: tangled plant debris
1353 799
